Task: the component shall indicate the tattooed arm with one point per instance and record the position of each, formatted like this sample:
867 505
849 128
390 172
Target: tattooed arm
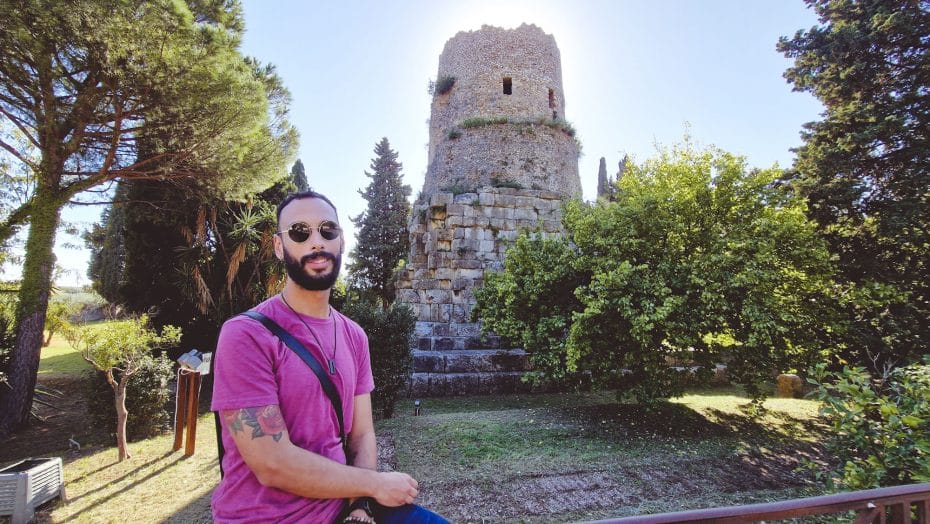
262 439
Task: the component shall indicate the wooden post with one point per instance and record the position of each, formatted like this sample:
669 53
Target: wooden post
193 401
180 410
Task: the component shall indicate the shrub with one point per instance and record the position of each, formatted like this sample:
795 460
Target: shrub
389 334
881 426
458 188
480 121
442 85
148 399
497 181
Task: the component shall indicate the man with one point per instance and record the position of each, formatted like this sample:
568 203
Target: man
284 459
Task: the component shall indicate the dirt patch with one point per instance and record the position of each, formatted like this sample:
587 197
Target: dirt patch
51 435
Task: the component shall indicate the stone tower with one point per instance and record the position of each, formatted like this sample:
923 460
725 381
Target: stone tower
502 159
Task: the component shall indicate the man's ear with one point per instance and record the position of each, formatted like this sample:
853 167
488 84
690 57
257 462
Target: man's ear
278 247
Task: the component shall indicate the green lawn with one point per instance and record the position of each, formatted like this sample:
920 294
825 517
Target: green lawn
60 357
505 458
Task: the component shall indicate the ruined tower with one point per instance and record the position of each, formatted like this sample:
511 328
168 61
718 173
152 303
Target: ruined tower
502 159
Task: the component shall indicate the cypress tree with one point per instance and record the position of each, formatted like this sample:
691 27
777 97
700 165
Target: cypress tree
382 240
602 189
299 176
106 241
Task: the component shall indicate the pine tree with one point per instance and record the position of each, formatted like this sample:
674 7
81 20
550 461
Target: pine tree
865 168
382 240
299 176
85 82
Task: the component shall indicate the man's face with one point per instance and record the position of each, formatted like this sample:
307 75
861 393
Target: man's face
314 263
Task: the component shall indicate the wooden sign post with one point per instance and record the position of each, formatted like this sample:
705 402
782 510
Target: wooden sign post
188 399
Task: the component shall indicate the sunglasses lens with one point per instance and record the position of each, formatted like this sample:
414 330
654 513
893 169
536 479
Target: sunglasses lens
299 232
329 230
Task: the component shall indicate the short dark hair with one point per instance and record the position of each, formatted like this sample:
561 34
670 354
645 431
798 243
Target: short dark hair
302 195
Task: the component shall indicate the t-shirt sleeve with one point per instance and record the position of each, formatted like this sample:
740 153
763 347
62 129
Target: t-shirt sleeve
244 366
365 383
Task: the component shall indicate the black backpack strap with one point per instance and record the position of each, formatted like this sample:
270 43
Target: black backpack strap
220 450
328 387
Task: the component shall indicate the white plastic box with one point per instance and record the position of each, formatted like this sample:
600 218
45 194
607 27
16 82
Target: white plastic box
30 483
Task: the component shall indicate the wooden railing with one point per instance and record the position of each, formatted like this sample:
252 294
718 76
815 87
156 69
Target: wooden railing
891 505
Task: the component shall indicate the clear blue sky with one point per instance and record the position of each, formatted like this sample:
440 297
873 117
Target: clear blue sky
635 73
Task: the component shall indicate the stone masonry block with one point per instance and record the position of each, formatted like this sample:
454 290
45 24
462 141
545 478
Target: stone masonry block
437 296
465 198
466 264
423 329
465 329
425 361
506 201
443 343
440 199
470 273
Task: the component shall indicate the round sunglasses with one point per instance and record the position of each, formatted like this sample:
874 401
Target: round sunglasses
301 231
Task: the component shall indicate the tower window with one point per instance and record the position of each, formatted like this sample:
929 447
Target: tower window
552 99
508 85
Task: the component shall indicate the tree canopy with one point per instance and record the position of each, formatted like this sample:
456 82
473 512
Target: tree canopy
698 260
93 92
865 168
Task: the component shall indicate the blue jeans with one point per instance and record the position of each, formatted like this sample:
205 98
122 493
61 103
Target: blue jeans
409 513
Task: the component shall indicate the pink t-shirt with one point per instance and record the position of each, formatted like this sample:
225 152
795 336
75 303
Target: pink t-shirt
253 368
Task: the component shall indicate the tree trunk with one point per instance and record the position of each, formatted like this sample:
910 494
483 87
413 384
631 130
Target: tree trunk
16 397
122 414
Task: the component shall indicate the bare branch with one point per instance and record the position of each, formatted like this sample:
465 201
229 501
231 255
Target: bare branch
13 151
20 126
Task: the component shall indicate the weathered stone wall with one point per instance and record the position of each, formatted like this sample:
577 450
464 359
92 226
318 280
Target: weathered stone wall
545 156
454 239
530 156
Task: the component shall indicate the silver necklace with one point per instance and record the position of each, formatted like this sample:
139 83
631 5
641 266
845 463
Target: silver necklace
331 362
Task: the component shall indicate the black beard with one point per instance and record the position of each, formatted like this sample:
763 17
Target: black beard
301 277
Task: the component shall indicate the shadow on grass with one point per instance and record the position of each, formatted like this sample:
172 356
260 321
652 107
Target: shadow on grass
128 474
662 419
787 429
103 468
196 512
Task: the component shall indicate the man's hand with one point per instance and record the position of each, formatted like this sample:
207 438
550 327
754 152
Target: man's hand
395 489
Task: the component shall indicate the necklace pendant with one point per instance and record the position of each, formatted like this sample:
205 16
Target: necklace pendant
332 366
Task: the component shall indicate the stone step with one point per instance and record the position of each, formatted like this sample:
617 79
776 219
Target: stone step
452 343
457 384
470 361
